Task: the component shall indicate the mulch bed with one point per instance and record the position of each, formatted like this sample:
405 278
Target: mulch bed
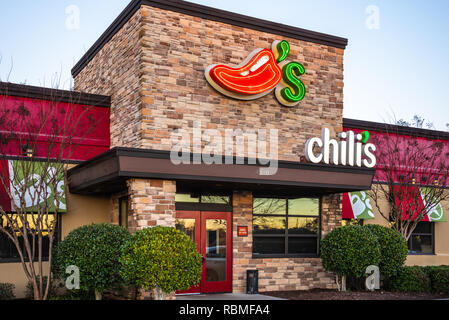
319 294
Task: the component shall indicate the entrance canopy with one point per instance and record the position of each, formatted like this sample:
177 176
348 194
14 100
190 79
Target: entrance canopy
107 174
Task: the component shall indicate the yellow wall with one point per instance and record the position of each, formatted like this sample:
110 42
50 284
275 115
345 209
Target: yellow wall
82 210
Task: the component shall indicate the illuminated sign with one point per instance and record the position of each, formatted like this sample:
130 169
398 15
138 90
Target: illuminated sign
242 231
352 150
263 71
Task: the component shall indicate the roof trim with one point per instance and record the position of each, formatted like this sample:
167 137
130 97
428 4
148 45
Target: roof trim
390 128
208 13
108 173
41 93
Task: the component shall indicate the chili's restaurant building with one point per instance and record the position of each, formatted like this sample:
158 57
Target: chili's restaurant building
168 69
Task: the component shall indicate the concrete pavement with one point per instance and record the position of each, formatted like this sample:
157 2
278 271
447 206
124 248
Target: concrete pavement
226 296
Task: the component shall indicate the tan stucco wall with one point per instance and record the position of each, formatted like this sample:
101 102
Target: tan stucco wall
82 210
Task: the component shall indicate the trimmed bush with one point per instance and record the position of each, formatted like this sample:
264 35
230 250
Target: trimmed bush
411 279
95 250
7 291
350 250
393 249
161 258
439 278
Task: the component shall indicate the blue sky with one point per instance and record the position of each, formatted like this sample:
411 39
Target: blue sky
398 69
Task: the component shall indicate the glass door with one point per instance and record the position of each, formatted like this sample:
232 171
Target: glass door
212 233
216 248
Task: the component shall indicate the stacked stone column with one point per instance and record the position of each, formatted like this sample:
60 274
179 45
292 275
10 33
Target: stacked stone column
151 203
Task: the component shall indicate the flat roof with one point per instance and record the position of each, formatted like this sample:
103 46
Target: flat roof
396 129
41 93
208 13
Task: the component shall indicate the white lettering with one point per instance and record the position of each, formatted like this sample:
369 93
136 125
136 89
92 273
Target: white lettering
310 144
370 158
350 150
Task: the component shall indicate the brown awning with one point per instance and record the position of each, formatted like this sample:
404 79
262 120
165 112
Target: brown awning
108 173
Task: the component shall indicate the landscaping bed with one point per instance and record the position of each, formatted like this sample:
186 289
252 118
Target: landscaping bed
321 294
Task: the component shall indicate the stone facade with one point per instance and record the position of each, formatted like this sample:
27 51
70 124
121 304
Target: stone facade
154 70
278 274
115 71
151 203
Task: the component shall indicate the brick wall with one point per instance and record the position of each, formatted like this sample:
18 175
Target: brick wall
154 70
151 203
176 49
115 71
278 274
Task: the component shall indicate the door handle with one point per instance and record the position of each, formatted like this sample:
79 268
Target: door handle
203 260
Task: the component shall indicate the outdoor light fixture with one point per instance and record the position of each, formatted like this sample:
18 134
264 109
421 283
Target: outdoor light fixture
28 151
436 182
413 180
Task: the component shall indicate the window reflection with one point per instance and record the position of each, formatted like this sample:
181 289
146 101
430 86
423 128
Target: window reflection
269 225
216 250
302 225
293 226
269 206
187 226
304 207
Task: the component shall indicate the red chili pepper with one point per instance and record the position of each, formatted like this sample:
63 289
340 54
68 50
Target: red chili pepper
259 74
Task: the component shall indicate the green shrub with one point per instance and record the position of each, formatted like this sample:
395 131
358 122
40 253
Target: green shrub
439 278
53 291
7 291
410 279
393 249
350 250
95 250
161 257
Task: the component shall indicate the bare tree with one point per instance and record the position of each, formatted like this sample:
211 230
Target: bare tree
412 175
37 139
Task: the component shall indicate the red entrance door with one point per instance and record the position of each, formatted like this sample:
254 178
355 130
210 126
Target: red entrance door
212 233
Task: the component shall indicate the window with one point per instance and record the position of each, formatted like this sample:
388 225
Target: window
8 251
351 222
123 212
203 198
286 227
421 240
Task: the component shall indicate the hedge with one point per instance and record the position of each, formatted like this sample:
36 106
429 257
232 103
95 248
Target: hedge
411 279
7 291
161 257
350 250
439 278
95 250
393 249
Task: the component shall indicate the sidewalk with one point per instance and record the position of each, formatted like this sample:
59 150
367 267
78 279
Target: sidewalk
226 296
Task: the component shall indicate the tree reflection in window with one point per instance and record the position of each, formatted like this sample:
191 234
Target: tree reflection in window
286 226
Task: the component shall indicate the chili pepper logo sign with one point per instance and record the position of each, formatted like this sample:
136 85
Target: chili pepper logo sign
263 71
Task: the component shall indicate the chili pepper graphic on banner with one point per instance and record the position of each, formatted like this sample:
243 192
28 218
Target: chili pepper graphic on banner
263 71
